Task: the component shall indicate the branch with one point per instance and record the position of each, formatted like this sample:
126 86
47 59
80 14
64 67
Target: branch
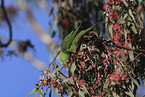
55 57
47 39
8 23
121 47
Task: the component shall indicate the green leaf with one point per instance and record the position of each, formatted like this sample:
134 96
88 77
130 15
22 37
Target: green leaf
144 81
46 91
125 16
41 92
125 3
57 69
131 55
106 84
81 94
55 5
50 27
71 81
89 68
142 15
66 80
83 87
130 13
135 81
55 66
40 77
31 92
36 94
50 93
115 95
125 33
71 3
130 93
121 21
140 20
70 92
123 56
51 11
110 30
55 23
132 86
57 93
73 68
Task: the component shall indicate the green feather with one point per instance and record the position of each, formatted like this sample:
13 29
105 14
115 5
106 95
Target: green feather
64 56
71 43
68 40
75 44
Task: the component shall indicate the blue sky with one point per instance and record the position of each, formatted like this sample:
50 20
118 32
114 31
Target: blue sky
18 76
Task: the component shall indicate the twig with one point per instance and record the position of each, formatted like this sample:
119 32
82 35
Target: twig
55 57
136 57
8 23
137 50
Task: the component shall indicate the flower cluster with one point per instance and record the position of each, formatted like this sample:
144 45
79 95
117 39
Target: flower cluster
118 76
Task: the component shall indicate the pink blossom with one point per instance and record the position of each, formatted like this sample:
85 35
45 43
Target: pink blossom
44 84
126 53
112 78
52 85
82 82
116 27
105 61
111 2
128 40
61 88
105 7
113 15
124 77
119 41
116 77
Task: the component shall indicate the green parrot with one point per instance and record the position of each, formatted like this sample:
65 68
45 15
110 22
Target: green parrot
71 43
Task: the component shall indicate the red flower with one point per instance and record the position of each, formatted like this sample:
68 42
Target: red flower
66 22
119 41
44 84
119 74
118 1
113 15
105 7
61 88
105 61
116 77
124 77
128 33
126 53
82 82
112 77
111 2
66 64
52 85
128 40
116 27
